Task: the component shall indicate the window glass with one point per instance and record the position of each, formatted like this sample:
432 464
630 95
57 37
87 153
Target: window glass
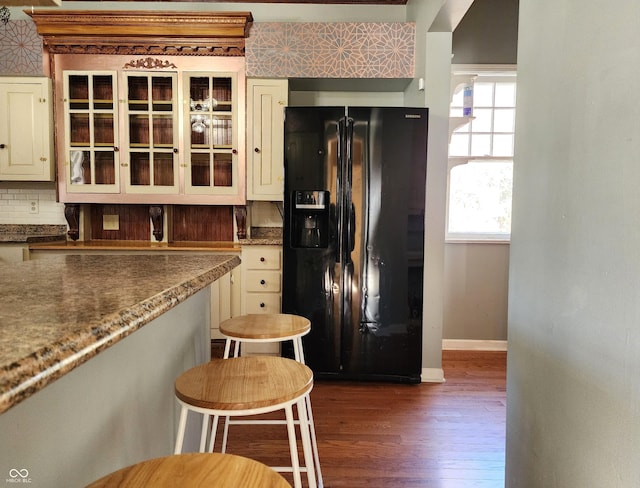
480 198
481 161
504 120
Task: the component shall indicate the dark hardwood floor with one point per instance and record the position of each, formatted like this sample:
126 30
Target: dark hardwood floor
375 435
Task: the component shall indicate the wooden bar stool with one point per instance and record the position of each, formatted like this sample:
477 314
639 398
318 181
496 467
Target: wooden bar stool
275 327
211 470
270 327
248 386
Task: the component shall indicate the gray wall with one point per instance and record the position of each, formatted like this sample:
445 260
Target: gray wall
487 34
573 373
476 275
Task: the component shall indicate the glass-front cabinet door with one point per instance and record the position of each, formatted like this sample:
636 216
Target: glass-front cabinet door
91 135
151 116
211 155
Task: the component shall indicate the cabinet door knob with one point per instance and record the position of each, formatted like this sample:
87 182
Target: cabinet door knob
234 151
116 149
257 150
262 259
262 305
175 150
262 282
2 146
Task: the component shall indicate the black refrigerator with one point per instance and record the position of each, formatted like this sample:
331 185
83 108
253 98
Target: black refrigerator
353 238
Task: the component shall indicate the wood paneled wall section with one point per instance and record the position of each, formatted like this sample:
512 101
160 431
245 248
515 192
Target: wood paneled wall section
134 222
201 223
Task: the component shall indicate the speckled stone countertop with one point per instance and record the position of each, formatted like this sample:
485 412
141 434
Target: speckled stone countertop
57 313
263 236
107 245
19 233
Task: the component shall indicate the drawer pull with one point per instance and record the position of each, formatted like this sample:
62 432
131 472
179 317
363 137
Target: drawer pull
262 259
262 305
262 282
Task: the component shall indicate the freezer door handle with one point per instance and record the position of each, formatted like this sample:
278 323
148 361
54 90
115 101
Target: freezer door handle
352 229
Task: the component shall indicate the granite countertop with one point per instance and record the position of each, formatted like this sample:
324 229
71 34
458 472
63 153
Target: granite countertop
59 312
263 236
64 245
27 233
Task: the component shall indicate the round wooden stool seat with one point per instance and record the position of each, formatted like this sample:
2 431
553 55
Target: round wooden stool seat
212 470
248 386
245 383
269 326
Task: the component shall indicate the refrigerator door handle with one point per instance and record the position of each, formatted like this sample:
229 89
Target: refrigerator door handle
352 229
349 218
340 169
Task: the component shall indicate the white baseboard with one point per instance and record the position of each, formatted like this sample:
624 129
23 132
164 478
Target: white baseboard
432 375
473 345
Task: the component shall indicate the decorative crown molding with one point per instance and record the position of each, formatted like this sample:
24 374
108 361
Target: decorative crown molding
142 32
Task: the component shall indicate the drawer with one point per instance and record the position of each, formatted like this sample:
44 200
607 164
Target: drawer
263 281
262 303
262 258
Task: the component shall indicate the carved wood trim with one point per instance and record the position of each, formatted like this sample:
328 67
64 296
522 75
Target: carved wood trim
241 221
72 215
156 212
142 32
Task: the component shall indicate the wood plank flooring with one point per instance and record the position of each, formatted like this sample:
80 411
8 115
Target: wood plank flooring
376 435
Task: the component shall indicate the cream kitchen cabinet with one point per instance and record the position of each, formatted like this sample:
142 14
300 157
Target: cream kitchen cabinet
13 253
225 300
26 139
261 289
266 99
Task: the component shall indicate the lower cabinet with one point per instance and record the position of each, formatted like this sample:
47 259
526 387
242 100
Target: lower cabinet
13 253
261 285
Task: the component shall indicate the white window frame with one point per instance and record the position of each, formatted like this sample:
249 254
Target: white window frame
460 74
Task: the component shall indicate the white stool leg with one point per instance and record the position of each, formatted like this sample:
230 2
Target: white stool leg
314 442
303 417
293 447
204 430
227 347
214 431
182 423
298 351
225 435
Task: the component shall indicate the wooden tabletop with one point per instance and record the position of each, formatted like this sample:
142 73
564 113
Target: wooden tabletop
265 326
212 470
244 383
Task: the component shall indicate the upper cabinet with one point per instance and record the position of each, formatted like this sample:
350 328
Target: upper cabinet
266 100
149 106
26 145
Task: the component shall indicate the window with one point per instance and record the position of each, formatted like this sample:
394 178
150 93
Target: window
481 160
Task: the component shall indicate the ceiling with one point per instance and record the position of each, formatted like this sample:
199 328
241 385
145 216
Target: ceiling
302 2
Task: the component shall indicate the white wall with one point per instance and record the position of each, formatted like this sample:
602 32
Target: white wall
573 372
262 12
16 208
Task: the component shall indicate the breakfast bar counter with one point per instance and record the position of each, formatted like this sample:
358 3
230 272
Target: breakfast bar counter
57 313
89 348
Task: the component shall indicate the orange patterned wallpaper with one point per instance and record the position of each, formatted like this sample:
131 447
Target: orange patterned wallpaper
273 49
331 50
20 49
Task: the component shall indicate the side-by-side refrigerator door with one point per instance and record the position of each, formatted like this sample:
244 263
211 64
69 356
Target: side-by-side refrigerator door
311 264
384 269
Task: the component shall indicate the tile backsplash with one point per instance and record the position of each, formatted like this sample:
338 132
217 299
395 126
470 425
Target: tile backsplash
22 204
